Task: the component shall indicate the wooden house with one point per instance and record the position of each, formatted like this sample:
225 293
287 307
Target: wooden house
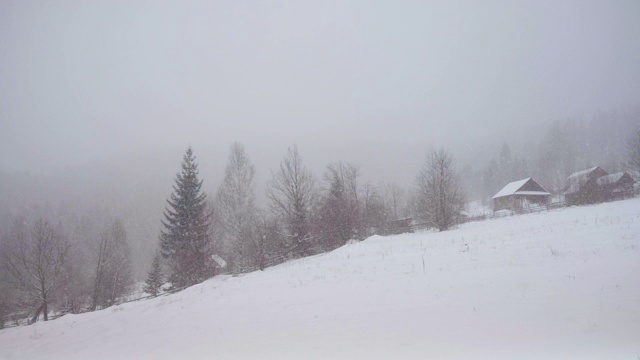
519 195
582 187
616 186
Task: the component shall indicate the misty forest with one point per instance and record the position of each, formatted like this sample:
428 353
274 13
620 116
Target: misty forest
100 246
282 163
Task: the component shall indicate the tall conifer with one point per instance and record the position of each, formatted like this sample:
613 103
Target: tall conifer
184 241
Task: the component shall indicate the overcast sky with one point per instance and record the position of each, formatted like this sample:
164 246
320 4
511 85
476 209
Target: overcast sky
88 80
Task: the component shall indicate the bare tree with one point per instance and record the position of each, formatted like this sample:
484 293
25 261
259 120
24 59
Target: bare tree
5 302
75 292
394 198
236 211
113 267
633 150
375 213
439 196
347 174
268 242
6 293
34 263
292 193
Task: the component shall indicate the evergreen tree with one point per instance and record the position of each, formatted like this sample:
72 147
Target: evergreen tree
184 241
155 279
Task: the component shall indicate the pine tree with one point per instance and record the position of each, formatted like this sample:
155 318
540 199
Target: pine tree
155 279
184 241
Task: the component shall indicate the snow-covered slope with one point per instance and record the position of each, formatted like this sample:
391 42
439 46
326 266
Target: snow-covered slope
562 284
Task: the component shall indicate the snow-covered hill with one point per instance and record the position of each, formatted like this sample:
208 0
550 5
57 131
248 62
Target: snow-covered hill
561 284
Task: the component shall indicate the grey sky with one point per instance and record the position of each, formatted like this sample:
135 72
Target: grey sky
87 80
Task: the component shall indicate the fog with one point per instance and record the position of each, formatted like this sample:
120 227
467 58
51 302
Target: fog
89 81
99 100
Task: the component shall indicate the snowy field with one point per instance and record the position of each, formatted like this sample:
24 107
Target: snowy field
563 284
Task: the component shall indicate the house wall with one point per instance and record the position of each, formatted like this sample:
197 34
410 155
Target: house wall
502 203
620 190
590 193
515 202
536 199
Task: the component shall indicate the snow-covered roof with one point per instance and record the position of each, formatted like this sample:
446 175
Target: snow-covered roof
578 179
513 187
582 173
541 193
610 179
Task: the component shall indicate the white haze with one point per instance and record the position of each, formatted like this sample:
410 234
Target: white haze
99 100
83 81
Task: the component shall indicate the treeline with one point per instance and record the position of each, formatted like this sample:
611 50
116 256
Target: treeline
308 214
305 216
46 267
42 271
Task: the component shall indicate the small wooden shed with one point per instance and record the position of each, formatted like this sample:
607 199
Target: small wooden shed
519 195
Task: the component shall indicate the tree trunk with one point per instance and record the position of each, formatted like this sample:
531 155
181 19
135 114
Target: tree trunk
44 301
45 309
36 315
